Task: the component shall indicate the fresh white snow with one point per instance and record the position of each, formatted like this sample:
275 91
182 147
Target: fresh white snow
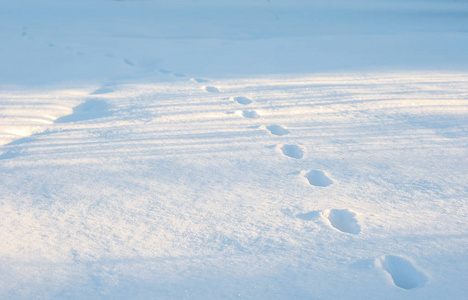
233 149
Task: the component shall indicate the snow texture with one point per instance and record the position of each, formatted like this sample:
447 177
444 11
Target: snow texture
230 149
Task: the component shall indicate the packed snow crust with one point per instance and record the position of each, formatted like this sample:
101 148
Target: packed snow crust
233 149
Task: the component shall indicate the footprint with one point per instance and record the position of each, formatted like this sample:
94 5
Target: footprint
292 151
277 130
344 220
179 75
403 273
211 89
129 62
252 114
309 216
318 178
163 71
242 100
91 109
200 80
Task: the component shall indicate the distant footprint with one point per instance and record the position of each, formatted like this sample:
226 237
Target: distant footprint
200 80
292 151
242 100
129 62
344 220
179 75
163 71
403 273
252 114
318 178
277 130
211 89
91 109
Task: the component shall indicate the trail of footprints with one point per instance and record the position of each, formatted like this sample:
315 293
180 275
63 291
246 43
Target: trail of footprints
402 272
342 220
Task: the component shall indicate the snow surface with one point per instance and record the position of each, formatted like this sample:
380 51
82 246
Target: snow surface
233 149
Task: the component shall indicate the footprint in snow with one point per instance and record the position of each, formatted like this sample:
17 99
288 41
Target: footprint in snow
163 71
343 219
200 80
211 89
293 151
242 100
402 271
250 114
129 62
318 178
277 130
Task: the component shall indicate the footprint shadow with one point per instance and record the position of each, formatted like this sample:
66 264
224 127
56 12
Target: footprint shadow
318 178
402 271
343 220
293 151
277 130
242 100
200 80
249 114
211 89
310 216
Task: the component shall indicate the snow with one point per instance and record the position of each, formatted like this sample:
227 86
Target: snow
233 149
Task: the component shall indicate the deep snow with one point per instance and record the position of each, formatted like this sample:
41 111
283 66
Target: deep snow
233 149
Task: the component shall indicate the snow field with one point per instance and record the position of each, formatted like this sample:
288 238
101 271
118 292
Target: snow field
244 149
195 200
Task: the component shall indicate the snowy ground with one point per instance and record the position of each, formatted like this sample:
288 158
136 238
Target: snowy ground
233 149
